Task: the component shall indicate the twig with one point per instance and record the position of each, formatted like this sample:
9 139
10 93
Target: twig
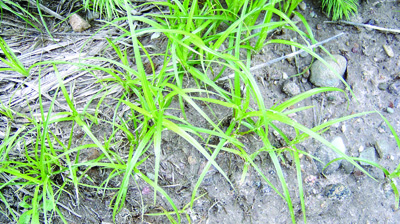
283 57
366 26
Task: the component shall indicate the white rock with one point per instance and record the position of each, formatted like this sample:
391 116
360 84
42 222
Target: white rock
339 144
344 128
321 75
155 35
388 50
302 6
284 75
77 23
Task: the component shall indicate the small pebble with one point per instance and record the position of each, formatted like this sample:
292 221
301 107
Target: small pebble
313 15
382 148
369 155
388 50
303 54
77 23
319 26
302 6
155 35
382 127
389 110
291 88
344 128
337 191
295 18
383 86
306 73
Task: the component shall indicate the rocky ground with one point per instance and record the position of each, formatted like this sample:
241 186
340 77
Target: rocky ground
369 60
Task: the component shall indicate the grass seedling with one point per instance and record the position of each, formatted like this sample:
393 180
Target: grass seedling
196 42
13 62
37 166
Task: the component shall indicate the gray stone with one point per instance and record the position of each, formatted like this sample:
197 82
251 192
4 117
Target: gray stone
321 75
382 148
337 191
347 166
368 154
326 154
376 173
295 18
290 88
389 110
383 86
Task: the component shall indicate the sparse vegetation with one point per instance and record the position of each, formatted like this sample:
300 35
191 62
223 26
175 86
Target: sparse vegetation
203 40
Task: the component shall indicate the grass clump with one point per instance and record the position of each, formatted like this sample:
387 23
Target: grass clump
340 8
13 62
108 8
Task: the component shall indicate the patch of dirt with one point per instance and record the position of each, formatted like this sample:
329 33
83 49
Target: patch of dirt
356 198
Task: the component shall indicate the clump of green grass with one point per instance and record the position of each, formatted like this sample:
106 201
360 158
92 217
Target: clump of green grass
340 8
108 8
13 62
194 40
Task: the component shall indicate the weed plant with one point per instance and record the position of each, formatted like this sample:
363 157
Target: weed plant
200 36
